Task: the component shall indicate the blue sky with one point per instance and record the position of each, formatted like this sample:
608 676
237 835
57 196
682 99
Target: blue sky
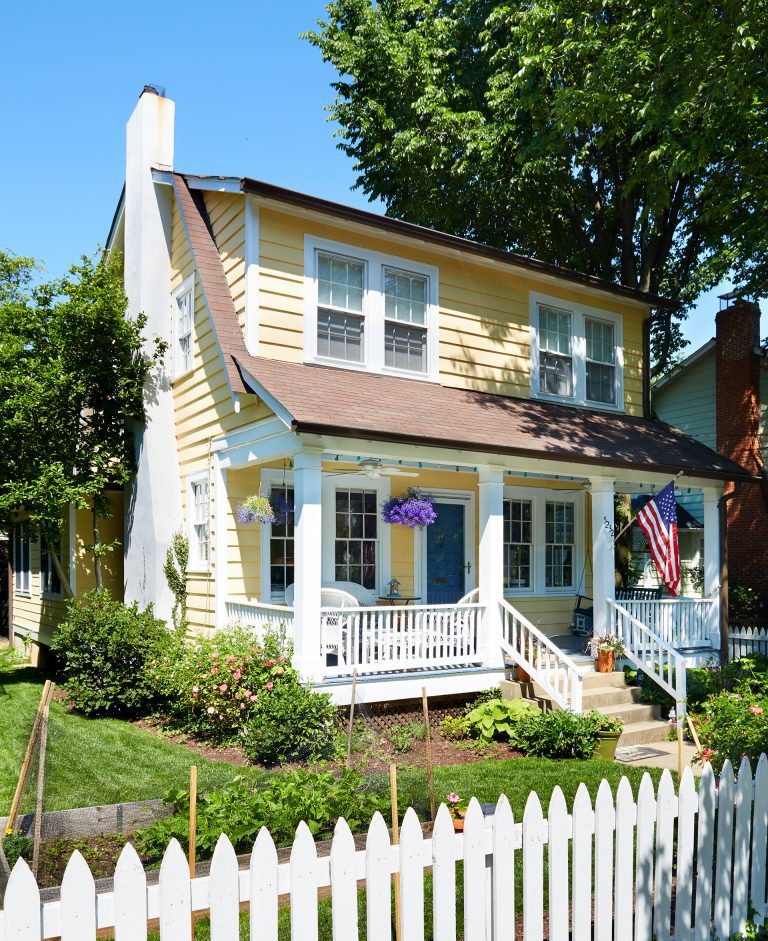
250 98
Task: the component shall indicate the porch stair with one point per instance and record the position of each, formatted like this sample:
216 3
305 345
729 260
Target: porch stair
607 693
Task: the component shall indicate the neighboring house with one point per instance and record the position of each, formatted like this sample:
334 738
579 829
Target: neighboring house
719 395
336 357
690 534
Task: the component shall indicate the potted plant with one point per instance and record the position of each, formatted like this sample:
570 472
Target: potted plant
609 731
262 509
605 648
457 809
413 508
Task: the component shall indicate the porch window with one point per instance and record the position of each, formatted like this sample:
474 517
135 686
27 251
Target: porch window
49 580
281 545
518 541
21 562
199 514
555 359
184 319
560 543
601 360
405 316
356 537
340 314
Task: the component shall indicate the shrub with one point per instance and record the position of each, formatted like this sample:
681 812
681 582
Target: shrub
403 736
242 808
734 723
106 650
557 735
453 728
290 723
212 684
16 846
498 718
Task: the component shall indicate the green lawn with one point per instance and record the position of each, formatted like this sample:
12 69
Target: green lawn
91 761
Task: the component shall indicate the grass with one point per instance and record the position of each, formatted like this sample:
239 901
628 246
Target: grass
91 761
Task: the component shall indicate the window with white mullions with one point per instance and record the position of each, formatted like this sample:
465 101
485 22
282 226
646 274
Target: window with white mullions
518 541
199 511
405 320
22 573
560 542
49 579
356 537
183 326
340 314
555 353
281 560
601 360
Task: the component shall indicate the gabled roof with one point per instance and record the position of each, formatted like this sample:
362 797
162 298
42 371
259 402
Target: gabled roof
689 361
352 403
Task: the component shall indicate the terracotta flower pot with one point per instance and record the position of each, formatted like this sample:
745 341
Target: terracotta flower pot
523 676
605 660
458 824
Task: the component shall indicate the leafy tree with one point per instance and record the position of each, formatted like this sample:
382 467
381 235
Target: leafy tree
72 373
624 139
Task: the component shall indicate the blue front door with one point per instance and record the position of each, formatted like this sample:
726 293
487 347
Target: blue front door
445 555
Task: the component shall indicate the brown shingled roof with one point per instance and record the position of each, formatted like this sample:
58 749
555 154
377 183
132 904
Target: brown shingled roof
348 403
213 281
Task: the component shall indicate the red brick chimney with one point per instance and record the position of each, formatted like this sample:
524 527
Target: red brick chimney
738 437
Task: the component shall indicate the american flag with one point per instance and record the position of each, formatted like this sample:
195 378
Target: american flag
658 520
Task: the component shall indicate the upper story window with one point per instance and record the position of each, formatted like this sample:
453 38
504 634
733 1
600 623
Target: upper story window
576 354
367 310
183 304
22 573
199 522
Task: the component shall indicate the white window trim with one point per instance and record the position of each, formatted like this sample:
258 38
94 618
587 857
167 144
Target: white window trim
188 284
49 595
195 565
539 497
22 592
578 314
373 308
271 477
355 482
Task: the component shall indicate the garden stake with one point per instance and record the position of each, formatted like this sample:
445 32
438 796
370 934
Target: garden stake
395 842
351 717
694 733
428 743
192 829
38 828
20 784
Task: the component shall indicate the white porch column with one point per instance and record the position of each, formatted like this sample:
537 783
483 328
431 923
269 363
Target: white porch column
220 545
491 561
712 558
307 548
603 560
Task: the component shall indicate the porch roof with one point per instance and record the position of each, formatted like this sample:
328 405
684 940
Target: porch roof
351 403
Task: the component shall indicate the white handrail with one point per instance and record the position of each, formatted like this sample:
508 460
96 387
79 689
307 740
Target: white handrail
257 615
554 671
652 654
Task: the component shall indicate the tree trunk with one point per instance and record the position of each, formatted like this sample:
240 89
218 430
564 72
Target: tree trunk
63 580
96 556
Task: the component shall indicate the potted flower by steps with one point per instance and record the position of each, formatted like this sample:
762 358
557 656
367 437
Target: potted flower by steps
457 809
608 731
605 648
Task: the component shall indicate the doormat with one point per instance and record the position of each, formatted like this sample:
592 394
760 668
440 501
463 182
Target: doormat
637 753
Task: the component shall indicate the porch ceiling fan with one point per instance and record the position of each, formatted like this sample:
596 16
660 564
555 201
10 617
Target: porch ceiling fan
374 467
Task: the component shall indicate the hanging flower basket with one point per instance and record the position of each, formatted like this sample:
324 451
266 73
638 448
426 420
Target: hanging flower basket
412 509
260 509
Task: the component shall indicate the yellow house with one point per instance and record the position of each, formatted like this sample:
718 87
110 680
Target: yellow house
333 359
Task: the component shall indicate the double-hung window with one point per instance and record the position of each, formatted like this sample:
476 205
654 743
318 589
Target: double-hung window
543 541
576 354
50 584
368 310
21 562
199 521
183 303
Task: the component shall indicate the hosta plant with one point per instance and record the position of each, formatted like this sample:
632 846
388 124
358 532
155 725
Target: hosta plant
498 718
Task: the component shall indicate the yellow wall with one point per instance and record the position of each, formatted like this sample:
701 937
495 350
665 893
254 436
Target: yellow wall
112 563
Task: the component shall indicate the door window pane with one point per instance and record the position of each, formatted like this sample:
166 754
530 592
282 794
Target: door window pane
560 538
356 542
601 360
518 539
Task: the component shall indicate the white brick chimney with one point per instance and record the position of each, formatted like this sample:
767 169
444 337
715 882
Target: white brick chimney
153 506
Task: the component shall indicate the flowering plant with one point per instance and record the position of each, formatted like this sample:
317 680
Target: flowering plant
212 684
261 509
412 509
734 723
456 807
606 643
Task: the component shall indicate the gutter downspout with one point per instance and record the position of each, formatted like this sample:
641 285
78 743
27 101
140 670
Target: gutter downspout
725 631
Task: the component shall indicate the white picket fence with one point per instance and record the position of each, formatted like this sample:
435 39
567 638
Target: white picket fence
663 866
744 641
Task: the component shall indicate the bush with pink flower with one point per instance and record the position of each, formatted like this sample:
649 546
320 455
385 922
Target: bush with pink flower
211 685
734 723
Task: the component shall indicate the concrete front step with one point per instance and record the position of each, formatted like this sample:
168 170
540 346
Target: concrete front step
643 733
605 697
633 713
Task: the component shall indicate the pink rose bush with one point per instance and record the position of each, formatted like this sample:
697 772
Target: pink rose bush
212 684
734 723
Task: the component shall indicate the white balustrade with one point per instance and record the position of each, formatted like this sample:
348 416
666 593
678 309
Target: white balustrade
259 616
610 864
681 622
554 671
399 638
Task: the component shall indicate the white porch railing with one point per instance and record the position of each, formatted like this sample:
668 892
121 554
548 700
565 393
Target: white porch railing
681 622
546 664
396 639
657 658
258 616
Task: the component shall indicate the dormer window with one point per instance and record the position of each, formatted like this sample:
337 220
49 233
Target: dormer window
367 310
576 354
